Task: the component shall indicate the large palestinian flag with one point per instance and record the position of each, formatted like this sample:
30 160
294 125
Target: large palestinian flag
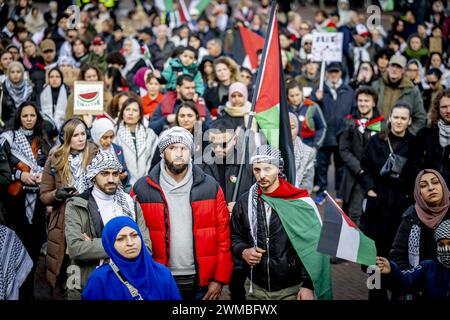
341 238
270 103
301 220
246 45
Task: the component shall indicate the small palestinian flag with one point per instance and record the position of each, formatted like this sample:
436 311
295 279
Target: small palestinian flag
341 238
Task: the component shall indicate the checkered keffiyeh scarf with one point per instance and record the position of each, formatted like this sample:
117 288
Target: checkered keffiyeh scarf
15 264
21 149
141 137
175 135
443 253
105 160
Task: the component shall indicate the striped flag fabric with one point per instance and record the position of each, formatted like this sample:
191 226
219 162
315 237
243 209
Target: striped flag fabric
270 103
341 238
200 5
246 45
183 12
301 220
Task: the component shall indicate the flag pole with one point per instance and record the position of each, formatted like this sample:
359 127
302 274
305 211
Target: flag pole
255 97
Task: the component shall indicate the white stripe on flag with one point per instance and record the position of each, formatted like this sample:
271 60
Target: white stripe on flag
348 242
311 202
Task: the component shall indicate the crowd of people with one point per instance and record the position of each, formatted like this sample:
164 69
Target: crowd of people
142 201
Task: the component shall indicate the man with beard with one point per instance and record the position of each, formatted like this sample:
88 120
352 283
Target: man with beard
165 114
186 213
88 213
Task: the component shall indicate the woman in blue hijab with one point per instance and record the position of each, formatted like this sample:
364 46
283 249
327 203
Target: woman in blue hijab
132 273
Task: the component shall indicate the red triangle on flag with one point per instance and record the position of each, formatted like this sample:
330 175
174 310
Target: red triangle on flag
252 43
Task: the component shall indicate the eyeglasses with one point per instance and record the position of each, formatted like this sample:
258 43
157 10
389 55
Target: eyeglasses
432 83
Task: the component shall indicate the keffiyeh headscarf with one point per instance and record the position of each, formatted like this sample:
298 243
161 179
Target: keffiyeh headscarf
107 161
443 253
21 91
175 135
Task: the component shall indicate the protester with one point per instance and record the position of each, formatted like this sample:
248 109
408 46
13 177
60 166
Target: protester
132 274
198 253
271 253
26 146
88 213
63 177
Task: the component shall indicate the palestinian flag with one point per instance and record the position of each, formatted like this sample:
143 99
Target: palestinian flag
246 45
341 238
164 5
200 5
301 220
269 101
183 12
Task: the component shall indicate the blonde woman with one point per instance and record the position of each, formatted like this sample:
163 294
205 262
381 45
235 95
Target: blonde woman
63 178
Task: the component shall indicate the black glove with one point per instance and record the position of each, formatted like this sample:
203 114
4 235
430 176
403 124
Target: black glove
64 193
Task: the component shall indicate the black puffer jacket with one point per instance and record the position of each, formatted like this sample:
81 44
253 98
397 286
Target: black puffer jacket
280 266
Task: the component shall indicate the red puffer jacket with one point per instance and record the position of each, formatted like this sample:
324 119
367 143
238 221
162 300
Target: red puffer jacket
210 224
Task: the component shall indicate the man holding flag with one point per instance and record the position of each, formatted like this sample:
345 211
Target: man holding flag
275 230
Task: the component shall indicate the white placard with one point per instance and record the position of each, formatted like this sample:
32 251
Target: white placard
88 97
327 46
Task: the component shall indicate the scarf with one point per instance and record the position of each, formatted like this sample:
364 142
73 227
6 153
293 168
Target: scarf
21 149
133 57
58 113
77 171
141 137
443 253
373 125
416 54
334 87
414 246
361 54
237 112
431 216
15 264
20 92
122 203
152 280
444 133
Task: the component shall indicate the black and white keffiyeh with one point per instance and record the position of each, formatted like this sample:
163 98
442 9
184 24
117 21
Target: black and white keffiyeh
175 135
15 264
21 149
443 252
105 160
414 245
141 137
77 171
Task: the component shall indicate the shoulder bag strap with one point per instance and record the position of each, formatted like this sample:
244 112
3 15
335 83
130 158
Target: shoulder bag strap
133 291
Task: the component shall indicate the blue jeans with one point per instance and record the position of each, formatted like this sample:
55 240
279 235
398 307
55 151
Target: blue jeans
323 161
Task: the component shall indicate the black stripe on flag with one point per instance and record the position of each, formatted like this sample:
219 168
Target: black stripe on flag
331 230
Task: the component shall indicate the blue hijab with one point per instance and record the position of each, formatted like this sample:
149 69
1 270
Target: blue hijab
153 280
